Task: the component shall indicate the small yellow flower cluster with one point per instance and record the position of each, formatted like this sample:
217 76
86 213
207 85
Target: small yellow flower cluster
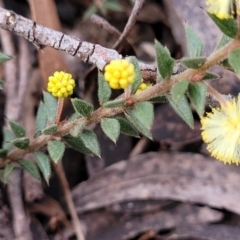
223 9
61 84
221 131
119 74
143 86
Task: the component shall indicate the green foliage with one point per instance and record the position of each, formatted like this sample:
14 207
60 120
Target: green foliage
41 119
85 109
111 128
30 167
127 128
43 164
56 150
8 136
1 84
3 153
4 57
21 143
50 105
234 59
194 43
17 129
115 103
104 91
178 91
138 75
228 26
223 41
50 129
182 109
159 99
165 62
7 172
77 129
209 75
141 116
197 94
194 63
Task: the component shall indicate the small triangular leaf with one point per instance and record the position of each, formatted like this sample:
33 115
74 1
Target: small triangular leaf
41 119
158 99
228 25
223 41
8 137
90 141
178 90
82 107
210 75
56 150
17 129
50 104
115 103
21 143
113 5
197 94
4 57
183 110
3 153
104 91
234 59
194 63
141 116
127 128
50 129
111 128
43 164
7 172
138 75
165 62
30 167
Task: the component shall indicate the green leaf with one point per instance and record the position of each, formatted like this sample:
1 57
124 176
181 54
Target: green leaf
21 143
56 150
225 63
234 59
77 144
158 99
7 172
165 62
43 164
197 94
227 26
178 90
194 43
30 167
111 128
4 57
115 103
223 41
3 153
41 119
90 11
17 129
104 91
82 107
90 141
1 84
210 75
113 5
141 116
183 110
138 75
50 129
127 128
77 129
50 104
8 136
194 63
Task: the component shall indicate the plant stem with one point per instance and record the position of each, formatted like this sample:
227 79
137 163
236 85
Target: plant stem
59 110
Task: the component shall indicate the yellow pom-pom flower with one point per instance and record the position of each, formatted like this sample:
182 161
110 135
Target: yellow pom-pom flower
221 131
223 9
119 74
143 86
61 84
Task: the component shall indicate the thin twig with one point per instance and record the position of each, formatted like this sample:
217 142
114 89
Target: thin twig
68 197
131 21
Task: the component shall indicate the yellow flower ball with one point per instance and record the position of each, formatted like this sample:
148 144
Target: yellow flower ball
61 84
221 132
119 74
143 86
223 9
